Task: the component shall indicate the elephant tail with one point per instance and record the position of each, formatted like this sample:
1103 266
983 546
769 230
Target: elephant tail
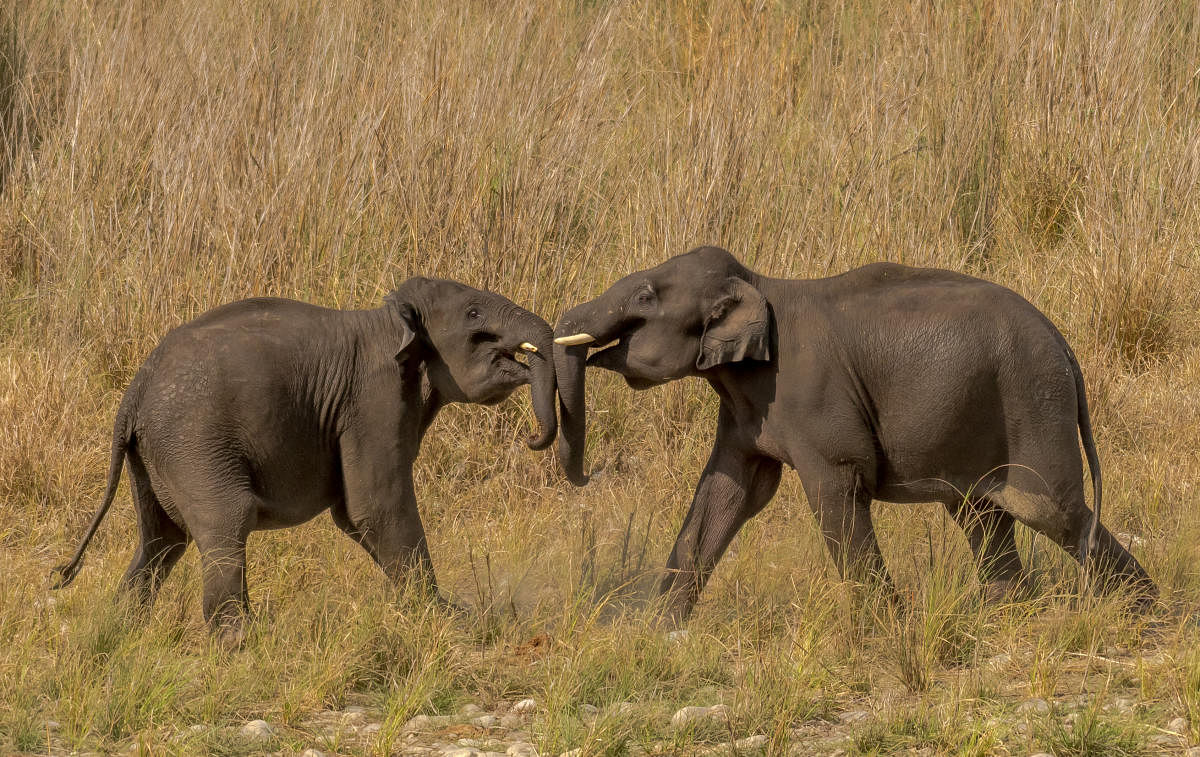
1089 449
122 437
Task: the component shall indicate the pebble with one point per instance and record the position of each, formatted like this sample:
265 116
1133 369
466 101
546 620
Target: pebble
370 729
1178 725
675 637
1041 754
312 753
461 752
692 714
257 729
1034 705
999 661
485 721
750 743
355 710
572 753
354 718
470 710
522 749
588 712
624 709
525 706
511 722
854 716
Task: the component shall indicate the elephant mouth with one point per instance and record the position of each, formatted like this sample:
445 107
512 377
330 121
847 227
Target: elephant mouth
611 356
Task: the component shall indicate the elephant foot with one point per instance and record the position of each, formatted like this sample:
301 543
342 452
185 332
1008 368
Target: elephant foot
1006 590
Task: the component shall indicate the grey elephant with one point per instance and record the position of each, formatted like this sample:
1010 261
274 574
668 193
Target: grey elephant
263 413
887 382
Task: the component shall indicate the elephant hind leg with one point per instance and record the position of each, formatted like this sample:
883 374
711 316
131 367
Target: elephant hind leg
161 541
1067 520
990 530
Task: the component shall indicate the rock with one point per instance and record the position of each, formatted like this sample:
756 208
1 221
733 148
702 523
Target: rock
470 710
675 637
757 741
1131 541
692 714
522 749
312 753
472 743
52 725
461 752
370 729
624 709
999 661
424 723
355 717
1178 725
511 722
1041 754
525 707
576 753
259 730
485 721
854 716
588 712
355 710
1035 705
1123 704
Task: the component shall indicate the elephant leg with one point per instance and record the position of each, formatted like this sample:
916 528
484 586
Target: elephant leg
1066 519
161 541
842 505
733 488
991 532
341 519
226 597
381 511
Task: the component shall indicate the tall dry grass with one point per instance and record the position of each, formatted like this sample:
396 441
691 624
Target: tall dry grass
160 158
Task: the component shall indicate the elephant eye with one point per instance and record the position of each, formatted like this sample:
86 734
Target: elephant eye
473 314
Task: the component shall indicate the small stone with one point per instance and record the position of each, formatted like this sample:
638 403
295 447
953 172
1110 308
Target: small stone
370 729
470 710
624 709
355 710
472 743
999 661
511 722
353 718
692 714
52 725
312 753
259 730
675 637
1041 754
525 706
588 712
572 753
1035 705
417 724
854 716
198 728
460 752
1178 725
522 749
485 721
757 741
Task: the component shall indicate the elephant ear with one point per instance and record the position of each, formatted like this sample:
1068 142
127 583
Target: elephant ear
407 325
737 327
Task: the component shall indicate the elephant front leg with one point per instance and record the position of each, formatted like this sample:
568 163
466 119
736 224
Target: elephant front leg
380 514
733 488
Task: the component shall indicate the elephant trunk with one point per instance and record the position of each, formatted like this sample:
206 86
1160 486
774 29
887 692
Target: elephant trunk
542 390
578 329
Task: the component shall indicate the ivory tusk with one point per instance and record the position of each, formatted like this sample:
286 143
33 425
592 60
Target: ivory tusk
528 347
575 339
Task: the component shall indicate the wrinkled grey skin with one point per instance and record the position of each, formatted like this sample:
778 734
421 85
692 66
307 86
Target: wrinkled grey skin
266 412
887 382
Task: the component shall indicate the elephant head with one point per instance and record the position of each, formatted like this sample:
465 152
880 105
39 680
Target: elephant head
478 346
689 315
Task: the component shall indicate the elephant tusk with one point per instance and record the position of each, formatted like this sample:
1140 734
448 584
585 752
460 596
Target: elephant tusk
528 347
575 339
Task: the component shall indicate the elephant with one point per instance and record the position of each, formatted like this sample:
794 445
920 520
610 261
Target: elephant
263 413
887 382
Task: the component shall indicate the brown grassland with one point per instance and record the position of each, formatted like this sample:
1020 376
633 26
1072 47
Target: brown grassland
158 158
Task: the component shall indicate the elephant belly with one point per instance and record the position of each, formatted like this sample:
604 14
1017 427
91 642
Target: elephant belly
294 491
